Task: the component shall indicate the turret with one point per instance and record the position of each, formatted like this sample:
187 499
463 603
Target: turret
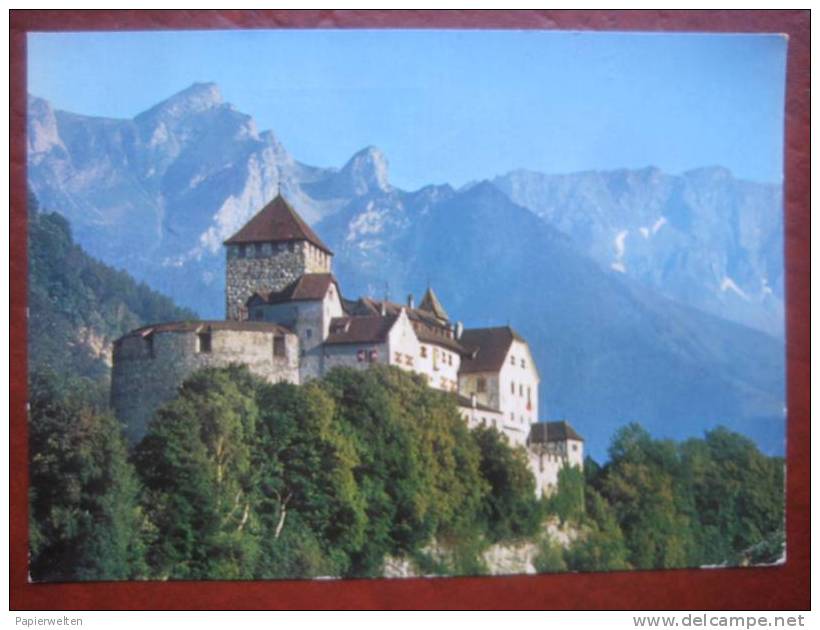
273 249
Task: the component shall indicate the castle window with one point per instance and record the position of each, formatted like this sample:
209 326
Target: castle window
258 250
449 359
521 390
574 447
203 342
481 385
149 345
512 388
512 360
523 363
397 358
308 333
278 346
242 251
424 352
291 246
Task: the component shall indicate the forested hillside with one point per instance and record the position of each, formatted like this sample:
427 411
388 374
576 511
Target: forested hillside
77 305
238 478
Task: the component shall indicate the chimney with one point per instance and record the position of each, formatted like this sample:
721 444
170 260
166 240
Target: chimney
410 301
459 329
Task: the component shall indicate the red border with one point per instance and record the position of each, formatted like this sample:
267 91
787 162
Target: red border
785 587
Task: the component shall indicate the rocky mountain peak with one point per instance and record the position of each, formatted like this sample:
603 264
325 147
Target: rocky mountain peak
366 171
197 98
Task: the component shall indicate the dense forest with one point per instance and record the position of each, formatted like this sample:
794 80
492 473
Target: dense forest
238 478
78 305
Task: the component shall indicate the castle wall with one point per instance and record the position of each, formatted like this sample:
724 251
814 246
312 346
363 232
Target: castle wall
265 267
147 374
481 418
348 355
468 384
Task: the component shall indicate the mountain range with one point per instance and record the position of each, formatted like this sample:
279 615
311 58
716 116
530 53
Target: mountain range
645 296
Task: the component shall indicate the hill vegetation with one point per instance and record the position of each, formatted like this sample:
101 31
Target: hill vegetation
78 305
238 478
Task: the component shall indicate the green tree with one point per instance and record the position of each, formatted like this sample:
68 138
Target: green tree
418 468
643 483
739 498
600 545
510 509
86 523
567 502
196 464
312 511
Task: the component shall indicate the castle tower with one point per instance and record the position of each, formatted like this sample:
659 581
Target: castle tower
272 250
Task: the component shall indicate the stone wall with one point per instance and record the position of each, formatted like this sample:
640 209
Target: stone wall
148 373
267 267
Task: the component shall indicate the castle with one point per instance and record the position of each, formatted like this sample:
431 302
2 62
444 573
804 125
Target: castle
287 320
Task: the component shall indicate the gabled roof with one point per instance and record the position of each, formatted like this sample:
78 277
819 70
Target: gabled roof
431 304
277 222
543 432
308 287
428 328
367 329
490 347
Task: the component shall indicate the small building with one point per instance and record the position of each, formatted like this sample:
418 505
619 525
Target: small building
551 446
501 373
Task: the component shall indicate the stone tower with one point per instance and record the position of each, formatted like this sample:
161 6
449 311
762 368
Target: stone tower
272 250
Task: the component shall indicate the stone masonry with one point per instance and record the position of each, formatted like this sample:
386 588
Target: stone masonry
150 364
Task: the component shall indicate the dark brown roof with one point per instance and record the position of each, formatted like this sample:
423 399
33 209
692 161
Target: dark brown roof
366 329
490 346
277 222
195 325
427 327
308 287
543 432
466 401
431 304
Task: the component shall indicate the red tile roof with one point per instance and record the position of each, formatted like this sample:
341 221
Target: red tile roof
366 329
277 222
427 327
308 287
542 432
490 347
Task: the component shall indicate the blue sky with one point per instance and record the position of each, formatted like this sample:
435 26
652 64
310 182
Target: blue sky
454 106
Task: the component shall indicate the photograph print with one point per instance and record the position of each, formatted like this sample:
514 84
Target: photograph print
404 303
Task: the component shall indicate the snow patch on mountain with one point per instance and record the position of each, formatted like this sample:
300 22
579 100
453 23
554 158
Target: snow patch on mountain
727 284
